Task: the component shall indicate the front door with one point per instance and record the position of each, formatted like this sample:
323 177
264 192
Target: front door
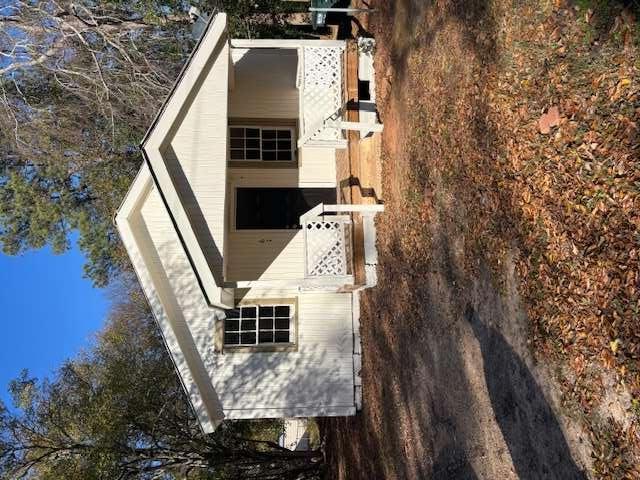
277 208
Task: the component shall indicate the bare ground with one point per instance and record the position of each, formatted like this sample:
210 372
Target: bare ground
452 389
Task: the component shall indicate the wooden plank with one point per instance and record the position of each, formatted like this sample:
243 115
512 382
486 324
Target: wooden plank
353 115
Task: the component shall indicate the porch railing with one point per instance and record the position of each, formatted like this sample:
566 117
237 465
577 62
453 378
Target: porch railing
321 102
328 246
328 239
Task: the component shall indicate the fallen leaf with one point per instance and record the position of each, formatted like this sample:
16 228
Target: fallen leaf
548 120
614 345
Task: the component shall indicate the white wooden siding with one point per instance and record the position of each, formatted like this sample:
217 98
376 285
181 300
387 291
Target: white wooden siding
172 264
317 377
137 234
196 159
264 83
262 254
317 167
268 254
181 141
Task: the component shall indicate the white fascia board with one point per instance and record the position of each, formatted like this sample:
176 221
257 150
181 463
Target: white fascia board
207 407
206 51
284 43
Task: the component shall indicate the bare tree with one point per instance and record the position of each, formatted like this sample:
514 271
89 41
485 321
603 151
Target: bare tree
115 62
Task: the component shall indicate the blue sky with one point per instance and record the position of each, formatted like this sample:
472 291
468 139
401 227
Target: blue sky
49 312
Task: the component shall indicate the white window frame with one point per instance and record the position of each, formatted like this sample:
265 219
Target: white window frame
291 329
292 130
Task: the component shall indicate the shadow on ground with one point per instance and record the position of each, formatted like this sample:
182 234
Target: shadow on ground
528 424
446 395
450 391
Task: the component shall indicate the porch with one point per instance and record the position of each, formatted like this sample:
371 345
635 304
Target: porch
320 82
332 245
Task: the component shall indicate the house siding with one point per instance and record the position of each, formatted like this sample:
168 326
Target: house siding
266 254
161 265
262 254
318 376
317 167
316 379
196 157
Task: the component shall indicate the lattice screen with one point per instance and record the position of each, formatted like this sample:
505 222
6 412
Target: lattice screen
326 244
322 92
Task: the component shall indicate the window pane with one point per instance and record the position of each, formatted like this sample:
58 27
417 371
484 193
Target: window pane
237 132
231 338
248 338
253 143
266 324
284 155
236 143
266 311
235 313
284 134
284 144
231 325
269 156
281 337
253 154
269 144
248 325
282 311
253 132
282 323
265 337
248 312
237 154
264 208
269 134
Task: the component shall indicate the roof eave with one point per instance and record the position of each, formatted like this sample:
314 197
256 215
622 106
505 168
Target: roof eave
212 414
205 50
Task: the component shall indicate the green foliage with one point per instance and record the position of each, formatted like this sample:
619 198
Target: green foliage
119 411
258 18
69 127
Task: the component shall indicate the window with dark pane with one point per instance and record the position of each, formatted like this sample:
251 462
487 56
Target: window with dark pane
253 325
261 144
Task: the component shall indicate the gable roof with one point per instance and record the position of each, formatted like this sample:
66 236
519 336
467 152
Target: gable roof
159 181
209 62
157 276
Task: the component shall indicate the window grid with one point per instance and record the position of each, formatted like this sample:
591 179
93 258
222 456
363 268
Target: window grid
266 144
258 325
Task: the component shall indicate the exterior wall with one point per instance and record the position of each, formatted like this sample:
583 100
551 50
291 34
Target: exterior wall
264 87
262 254
196 156
273 254
168 279
317 379
264 83
314 380
317 167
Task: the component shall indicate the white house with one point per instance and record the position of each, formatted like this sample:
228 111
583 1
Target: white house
236 234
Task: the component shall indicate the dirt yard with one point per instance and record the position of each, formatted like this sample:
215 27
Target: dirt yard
493 348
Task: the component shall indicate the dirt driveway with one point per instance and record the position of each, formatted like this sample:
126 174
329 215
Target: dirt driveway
450 387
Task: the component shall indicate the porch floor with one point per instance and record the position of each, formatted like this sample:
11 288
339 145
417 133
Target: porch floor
358 167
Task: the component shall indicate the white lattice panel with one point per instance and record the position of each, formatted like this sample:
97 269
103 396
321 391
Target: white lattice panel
322 92
326 247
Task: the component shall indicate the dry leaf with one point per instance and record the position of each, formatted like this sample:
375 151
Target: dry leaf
548 120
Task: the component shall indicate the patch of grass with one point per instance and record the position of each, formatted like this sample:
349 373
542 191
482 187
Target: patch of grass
315 440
